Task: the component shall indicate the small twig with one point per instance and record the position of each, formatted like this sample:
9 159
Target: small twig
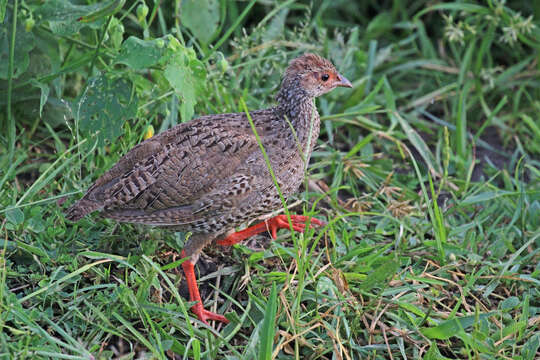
386 342
294 337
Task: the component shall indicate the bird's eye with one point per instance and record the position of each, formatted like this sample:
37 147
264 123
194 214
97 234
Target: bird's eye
325 77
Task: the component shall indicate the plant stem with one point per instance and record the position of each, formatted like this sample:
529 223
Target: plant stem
10 121
99 46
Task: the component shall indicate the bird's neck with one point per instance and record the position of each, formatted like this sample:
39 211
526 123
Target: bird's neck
298 108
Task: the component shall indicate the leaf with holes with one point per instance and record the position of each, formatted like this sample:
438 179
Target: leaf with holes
104 106
66 18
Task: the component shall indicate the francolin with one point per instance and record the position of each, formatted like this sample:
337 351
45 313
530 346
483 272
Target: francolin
209 176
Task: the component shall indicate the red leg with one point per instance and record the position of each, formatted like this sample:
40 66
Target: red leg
272 225
198 309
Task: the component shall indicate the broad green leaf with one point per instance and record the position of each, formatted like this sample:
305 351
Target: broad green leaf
67 28
15 216
36 224
449 328
65 11
201 17
105 9
181 80
24 43
186 75
380 275
140 54
530 348
509 303
104 106
66 18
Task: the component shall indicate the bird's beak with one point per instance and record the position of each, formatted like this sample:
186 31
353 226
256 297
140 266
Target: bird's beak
342 81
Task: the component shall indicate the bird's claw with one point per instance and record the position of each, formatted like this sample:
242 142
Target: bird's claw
205 315
298 223
272 225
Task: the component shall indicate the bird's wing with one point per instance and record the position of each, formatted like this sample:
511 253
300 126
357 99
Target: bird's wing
172 171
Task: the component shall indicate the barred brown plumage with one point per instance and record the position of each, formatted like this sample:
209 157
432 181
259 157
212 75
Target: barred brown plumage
209 176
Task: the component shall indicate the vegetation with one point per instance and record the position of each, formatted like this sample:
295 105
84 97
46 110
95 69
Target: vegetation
427 173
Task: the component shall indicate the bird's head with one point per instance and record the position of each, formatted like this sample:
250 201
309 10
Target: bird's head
313 74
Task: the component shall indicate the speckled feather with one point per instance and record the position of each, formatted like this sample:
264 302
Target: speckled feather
208 175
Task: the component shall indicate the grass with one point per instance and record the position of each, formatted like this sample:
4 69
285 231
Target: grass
426 172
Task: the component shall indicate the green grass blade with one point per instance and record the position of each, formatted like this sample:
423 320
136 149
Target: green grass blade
231 29
50 173
419 143
469 8
63 279
451 327
268 328
140 337
11 131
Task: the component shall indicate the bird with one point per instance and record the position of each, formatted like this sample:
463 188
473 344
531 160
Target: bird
209 176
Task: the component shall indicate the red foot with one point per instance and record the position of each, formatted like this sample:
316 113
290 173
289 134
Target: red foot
205 315
272 225
198 309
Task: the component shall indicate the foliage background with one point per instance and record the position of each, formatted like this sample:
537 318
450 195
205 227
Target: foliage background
427 172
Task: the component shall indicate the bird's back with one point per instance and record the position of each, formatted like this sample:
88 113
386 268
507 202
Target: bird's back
200 176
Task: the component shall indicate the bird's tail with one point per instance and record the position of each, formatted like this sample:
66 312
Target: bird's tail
80 209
